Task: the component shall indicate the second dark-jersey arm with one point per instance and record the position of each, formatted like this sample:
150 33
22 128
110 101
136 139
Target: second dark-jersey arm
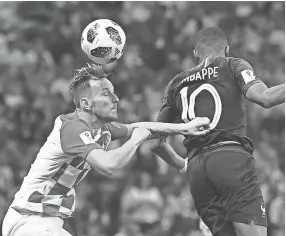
161 146
254 89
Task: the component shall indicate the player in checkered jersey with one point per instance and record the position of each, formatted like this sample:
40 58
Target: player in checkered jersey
77 143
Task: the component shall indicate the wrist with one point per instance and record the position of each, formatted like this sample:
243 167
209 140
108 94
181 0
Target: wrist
183 128
137 140
184 169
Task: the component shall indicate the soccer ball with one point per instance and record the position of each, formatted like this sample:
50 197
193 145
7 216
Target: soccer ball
103 41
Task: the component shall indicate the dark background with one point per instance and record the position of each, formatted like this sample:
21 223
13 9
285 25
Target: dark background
40 48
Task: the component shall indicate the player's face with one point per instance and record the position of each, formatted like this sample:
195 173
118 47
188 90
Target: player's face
104 101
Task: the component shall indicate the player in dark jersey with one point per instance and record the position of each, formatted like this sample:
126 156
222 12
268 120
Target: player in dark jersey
220 166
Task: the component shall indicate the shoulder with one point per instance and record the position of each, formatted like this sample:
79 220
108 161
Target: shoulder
117 130
238 64
71 124
71 119
178 78
182 75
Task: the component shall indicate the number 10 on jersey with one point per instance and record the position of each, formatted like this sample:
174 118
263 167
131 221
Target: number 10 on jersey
189 107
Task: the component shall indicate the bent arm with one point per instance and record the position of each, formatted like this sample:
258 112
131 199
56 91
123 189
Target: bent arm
108 162
266 97
165 151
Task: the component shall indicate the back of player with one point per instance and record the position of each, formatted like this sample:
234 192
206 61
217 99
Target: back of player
215 89
221 169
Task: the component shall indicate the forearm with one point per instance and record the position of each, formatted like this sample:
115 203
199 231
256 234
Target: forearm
122 156
162 128
111 161
167 153
275 95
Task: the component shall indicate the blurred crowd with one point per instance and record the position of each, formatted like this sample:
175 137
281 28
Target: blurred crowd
39 50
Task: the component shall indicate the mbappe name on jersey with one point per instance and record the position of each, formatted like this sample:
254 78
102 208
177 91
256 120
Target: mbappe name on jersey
205 73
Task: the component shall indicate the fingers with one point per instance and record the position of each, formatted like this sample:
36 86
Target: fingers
203 132
202 121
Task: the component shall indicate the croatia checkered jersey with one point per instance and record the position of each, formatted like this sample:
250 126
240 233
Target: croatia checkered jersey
60 165
216 89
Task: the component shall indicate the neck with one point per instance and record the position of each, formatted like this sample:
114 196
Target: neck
90 119
87 117
97 123
203 57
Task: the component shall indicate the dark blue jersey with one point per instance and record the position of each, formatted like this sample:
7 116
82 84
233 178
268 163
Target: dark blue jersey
215 89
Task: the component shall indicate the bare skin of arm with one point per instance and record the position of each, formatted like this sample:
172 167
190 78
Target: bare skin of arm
266 97
108 162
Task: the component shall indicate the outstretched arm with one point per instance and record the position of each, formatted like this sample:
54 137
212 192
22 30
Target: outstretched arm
266 97
198 126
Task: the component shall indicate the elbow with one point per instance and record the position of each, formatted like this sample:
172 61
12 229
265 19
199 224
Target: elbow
108 170
266 103
104 164
108 173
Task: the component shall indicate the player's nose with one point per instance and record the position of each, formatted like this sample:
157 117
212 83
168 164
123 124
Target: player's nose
115 99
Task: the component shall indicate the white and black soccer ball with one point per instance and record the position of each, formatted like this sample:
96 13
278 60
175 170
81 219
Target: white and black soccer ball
103 41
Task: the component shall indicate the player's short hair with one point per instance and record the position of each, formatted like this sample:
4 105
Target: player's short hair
81 80
210 39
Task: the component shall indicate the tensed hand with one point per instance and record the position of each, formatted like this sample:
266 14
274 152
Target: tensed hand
141 133
198 126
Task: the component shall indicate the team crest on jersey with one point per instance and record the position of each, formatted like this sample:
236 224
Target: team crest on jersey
103 138
86 137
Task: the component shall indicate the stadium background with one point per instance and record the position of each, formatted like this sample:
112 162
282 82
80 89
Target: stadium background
40 47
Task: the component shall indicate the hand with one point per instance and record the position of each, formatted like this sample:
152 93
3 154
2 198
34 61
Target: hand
198 126
141 133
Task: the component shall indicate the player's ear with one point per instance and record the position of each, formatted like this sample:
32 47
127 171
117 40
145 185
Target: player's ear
196 54
226 51
85 103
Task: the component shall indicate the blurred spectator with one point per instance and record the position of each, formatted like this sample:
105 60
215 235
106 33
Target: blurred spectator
180 216
143 205
276 212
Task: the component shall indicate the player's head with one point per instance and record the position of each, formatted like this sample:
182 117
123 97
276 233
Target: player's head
94 93
210 41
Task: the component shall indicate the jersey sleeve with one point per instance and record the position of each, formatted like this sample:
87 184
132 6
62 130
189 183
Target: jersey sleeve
117 130
167 113
76 139
244 75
